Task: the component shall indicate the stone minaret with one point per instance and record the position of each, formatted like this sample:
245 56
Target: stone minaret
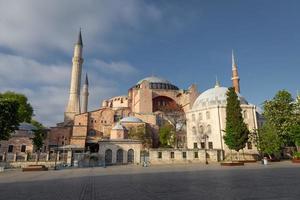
85 95
235 76
73 106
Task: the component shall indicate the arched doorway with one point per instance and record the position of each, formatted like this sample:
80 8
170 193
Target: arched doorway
120 156
130 156
108 156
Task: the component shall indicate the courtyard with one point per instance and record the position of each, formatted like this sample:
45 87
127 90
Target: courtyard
193 181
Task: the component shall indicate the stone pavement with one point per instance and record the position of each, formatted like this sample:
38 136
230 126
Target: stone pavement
193 181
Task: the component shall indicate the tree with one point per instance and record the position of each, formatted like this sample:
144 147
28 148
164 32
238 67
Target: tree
39 137
25 110
174 116
166 135
141 133
295 133
280 113
268 141
9 120
236 131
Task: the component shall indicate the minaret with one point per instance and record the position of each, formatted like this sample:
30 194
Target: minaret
85 95
217 83
235 76
73 106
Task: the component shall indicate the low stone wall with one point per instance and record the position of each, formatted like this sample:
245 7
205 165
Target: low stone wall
169 156
9 165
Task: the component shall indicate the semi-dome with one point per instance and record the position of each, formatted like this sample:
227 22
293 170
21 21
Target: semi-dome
158 83
214 96
131 120
27 127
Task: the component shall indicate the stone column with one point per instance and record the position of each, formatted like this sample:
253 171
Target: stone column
47 156
15 157
69 158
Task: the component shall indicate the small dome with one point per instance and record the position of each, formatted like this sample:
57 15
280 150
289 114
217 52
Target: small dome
26 127
214 96
158 83
131 120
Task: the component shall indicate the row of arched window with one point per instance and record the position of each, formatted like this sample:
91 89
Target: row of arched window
200 116
207 115
202 129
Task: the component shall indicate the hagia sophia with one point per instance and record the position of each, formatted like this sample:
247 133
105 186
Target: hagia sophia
143 107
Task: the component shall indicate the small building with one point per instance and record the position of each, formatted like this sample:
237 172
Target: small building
119 149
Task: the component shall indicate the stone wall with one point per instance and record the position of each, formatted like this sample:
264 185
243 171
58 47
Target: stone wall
169 156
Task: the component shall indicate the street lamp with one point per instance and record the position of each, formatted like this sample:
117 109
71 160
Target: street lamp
55 161
205 137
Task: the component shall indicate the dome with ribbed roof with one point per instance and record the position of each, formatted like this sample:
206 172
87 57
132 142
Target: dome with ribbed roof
131 119
158 83
214 96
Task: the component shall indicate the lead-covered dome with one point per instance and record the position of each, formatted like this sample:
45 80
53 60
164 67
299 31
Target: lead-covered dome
131 119
214 96
157 83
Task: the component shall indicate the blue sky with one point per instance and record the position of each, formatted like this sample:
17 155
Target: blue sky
125 40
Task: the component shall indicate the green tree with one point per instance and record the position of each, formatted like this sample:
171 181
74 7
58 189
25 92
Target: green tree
236 131
166 135
39 136
280 113
25 110
9 120
174 115
268 141
141 133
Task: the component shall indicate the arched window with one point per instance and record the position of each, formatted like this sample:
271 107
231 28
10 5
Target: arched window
193 117
245 114
108 156
201 129
130 156
208 129
207 115
194 130
120 156
200 117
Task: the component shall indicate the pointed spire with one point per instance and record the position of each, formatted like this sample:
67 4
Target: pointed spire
86 82
217 82
79 40
233 60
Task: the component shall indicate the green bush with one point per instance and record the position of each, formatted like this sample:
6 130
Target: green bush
296 155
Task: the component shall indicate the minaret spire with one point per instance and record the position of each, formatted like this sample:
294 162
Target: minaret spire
85 94
235 76
73 106
79 40
217 82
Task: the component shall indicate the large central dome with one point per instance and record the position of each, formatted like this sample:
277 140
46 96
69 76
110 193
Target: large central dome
158 83
214 96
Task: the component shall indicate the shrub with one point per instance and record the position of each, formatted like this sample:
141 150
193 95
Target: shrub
296 155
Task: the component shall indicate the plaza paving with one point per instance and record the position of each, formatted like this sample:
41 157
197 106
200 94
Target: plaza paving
194 181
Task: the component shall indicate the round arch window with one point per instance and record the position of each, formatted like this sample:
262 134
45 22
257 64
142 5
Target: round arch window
91 133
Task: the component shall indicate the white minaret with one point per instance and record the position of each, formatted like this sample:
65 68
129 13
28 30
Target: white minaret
85 95
73 106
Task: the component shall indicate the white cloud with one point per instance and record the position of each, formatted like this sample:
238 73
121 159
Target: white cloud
46 85
32 27
36 45
119 68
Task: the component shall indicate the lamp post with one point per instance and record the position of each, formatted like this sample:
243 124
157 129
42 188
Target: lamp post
205 137
55 161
